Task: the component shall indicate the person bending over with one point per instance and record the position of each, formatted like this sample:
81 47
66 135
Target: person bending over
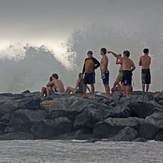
79 88
145 62
89 67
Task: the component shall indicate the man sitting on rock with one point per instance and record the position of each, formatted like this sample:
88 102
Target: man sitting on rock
79 88
55 87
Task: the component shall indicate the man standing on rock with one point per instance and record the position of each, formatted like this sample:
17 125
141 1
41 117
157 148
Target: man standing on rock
128 67
104 70
89 67
145 62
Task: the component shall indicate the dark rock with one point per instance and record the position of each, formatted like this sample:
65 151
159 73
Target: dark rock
141 109
156 119
147 130
32 115
111 126
140 140
51 128
17 136
159 135
126 134
89 117
41 130
17 122
26 91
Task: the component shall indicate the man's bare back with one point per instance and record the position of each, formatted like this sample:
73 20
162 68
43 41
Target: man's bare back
145 61
59 87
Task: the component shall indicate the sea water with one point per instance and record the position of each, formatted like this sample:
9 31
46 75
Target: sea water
49 151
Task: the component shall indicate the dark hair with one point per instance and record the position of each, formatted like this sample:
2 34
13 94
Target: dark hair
50 78
90 52
104 50
80 74
126 53
55 76
146 51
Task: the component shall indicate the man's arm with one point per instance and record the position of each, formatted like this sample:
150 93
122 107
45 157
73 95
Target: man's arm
96 62
140 62
114 54
150 61
133 66
83 71
50 84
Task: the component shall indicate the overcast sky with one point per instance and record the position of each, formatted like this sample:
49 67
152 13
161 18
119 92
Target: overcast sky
55 20
115 24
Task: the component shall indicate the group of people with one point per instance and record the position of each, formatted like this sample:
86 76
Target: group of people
123 82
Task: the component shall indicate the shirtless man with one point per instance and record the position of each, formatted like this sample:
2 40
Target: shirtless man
105 71
89 67
57 86
128 67
145 62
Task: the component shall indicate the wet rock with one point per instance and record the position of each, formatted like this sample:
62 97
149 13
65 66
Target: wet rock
156 119
17 136
140 140
141 109
147 130
51 128
126 134
111 126
89 117
159 135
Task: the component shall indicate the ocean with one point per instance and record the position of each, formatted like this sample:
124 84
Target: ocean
73 151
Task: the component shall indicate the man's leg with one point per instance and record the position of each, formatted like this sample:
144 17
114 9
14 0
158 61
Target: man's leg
48 91
147 87
128 90
92 88
143 87
107 90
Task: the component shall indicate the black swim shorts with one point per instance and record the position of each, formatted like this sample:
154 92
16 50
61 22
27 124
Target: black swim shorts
146 76
127 78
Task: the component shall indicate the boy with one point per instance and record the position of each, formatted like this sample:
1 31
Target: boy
89 67
145 62
128 67
104 70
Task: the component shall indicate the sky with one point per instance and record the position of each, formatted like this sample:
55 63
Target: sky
81 25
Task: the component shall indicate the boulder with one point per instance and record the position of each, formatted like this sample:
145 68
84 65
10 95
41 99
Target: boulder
32 115
141 109
147 130
111 126
90 116
156 119
17 136
16 123
126 134
51 128
159 135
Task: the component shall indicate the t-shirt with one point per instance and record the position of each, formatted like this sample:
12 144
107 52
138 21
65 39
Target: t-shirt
90 65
